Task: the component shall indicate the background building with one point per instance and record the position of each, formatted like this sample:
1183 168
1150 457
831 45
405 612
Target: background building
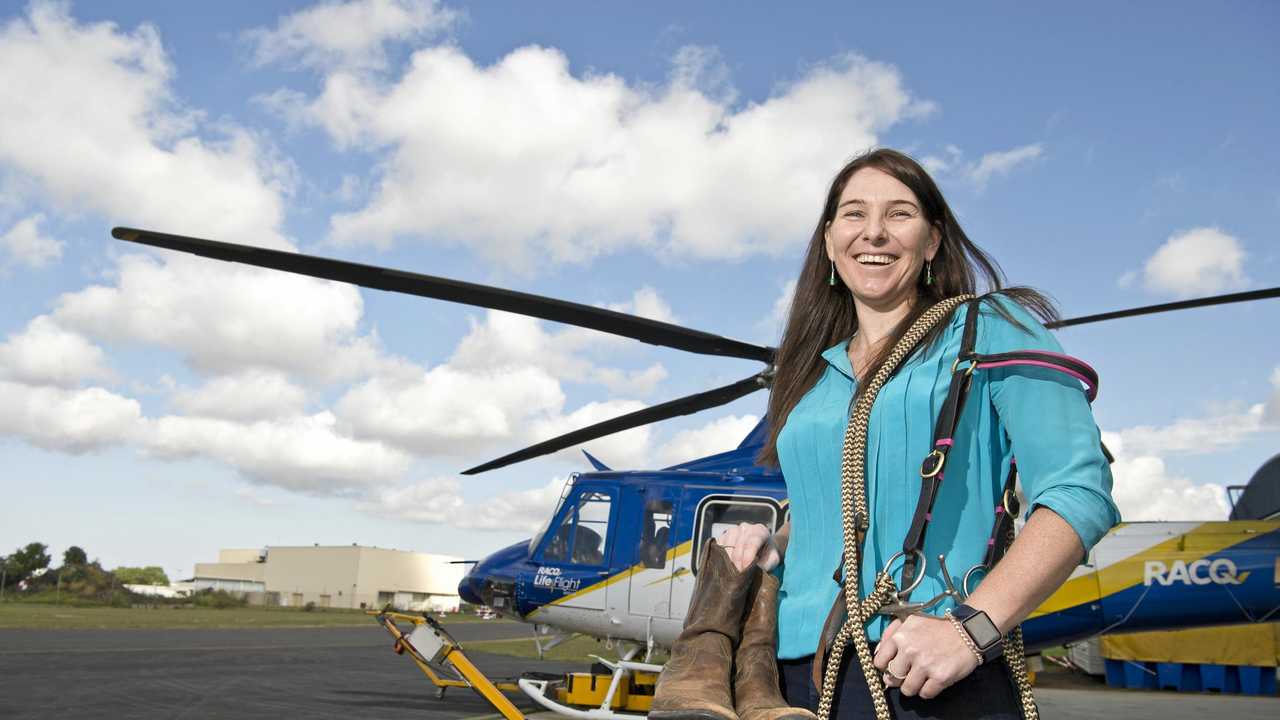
336 576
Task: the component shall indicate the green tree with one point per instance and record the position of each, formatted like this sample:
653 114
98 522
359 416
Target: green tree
27 560
74 556
150 575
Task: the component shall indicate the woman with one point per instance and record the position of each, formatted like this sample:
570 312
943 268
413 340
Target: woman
886 248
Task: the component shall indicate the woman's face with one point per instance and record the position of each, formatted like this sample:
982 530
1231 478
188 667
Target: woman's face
879 239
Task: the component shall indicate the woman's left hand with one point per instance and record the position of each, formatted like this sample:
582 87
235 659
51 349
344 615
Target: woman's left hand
923 655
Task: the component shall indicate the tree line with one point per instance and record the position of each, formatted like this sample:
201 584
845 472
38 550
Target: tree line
28 569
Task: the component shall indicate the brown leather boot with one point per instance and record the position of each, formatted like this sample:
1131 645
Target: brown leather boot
756 692
694 684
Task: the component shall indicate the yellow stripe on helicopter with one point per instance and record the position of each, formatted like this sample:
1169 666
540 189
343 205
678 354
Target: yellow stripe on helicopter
1196 543
675 552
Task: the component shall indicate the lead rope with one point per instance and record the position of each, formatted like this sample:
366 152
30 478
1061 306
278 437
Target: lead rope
854 513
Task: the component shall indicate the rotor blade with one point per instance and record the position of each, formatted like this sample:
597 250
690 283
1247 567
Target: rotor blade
653 332
1167 307
673 408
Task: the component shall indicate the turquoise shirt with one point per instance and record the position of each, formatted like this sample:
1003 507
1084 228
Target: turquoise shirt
1041 414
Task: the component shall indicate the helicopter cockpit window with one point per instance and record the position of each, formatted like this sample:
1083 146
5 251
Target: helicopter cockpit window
655 534
717 514
583 532
536 539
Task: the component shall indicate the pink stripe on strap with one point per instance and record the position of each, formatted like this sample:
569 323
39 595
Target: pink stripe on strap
944 441
999 509
1091 390
1066 357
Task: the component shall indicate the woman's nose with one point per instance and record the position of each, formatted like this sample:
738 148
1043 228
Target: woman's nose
874 230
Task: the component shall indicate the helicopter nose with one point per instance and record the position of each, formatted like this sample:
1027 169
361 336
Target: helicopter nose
471 590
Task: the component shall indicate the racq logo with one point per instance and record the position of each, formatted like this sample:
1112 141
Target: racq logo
1198 572
551 579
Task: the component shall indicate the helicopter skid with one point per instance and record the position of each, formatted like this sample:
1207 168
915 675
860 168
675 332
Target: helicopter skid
621 669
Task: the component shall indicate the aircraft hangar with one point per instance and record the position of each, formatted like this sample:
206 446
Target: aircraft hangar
343 576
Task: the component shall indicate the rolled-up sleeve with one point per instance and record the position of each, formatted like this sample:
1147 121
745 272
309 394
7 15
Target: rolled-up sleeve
1050 427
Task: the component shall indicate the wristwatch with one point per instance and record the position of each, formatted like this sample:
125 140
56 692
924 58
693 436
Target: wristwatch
984 633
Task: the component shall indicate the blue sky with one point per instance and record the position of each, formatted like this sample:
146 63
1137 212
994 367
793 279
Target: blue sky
663 159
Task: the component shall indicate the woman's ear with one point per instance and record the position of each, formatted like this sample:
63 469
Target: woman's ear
826 241
935 243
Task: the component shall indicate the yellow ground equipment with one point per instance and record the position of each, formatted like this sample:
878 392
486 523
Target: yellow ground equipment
625 693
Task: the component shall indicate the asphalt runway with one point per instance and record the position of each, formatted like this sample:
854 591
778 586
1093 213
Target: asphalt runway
320 673
327 673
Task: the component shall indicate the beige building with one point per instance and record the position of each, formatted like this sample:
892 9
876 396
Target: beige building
347 576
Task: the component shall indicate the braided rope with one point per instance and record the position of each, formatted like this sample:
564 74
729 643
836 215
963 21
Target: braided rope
1015 656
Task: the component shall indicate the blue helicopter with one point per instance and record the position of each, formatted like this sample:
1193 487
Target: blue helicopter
617 559
617 556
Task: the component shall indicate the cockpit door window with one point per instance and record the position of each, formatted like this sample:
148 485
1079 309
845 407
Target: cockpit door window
582 534
718 513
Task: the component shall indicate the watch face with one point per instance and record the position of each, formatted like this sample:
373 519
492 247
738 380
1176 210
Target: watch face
982 630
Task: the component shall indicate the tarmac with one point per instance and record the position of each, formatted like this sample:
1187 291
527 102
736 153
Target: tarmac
330 673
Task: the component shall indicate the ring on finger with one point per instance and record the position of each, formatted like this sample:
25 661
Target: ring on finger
894 675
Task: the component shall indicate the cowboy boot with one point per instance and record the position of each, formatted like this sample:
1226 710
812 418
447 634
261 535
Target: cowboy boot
694 684
756 692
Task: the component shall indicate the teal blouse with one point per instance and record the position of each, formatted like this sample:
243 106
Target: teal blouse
1041 414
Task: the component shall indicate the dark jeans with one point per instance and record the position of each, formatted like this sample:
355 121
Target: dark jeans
987 693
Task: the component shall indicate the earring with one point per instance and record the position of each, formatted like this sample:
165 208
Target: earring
928 272
832 280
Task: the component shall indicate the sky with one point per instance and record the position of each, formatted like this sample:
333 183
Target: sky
665 159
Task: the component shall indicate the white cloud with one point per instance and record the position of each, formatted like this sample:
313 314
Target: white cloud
439 501
979 173
254 497
26 246
436 501
1002 163
776 322
304 454
627 449
445 410
529 163
506 339
140 162
250 395
225 318
1200 261
716 436
1145 490
1271 411
74 421
348 34
938 165
145 163
1197 435
46 354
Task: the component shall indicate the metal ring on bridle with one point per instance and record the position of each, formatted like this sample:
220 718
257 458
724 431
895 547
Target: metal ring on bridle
973 365
1010 502
941 459
915 582
964 581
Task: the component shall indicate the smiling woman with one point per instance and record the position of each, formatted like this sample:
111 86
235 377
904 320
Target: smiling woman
884 314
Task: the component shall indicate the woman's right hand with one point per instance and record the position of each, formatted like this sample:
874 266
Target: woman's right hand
750 543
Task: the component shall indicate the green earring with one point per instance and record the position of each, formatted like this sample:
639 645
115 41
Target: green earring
832 280
928 272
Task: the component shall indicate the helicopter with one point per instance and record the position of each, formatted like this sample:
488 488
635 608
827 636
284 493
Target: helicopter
617 558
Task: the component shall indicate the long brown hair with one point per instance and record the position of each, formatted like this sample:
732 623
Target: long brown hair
822 314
